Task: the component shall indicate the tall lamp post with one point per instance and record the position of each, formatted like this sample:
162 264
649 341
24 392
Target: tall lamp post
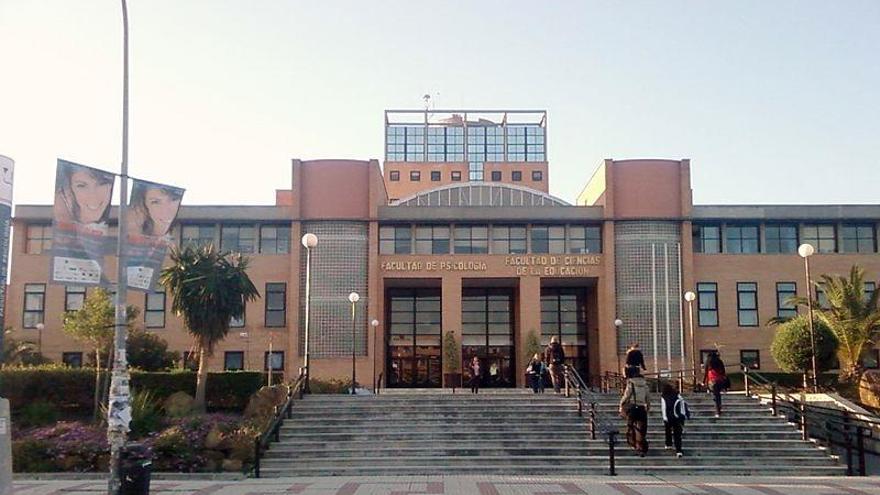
690 297
40 327
805 251
375 324
309 241
353 298
617 324
247 349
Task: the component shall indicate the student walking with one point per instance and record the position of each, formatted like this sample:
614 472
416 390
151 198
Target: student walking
555 357
675 412
715 378
634 407
634 360
535 373
474 368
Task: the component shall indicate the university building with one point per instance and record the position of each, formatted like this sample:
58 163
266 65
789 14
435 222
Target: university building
457 233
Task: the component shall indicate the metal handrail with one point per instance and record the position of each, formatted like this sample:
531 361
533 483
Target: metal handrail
586 399
273 429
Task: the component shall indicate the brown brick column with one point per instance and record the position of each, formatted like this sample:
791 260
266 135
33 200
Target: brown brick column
450 299
528 315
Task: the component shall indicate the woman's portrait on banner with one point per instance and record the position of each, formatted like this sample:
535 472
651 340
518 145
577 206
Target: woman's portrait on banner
153 208
82 194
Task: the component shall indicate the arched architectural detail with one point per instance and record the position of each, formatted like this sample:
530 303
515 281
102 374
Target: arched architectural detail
481 194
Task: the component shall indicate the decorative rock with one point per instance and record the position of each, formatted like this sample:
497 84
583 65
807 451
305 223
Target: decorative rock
869 388
178 405
214 438
232 465
262 403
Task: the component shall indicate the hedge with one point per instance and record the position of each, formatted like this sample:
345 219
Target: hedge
72 390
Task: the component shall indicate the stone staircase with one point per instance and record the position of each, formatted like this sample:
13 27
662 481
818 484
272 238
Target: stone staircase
513 431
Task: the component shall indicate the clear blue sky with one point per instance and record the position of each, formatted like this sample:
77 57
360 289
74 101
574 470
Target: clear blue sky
774 102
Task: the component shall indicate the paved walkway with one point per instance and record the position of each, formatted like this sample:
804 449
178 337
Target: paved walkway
481 485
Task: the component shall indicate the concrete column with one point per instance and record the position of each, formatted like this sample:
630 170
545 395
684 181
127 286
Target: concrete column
450 300
5 448
528 314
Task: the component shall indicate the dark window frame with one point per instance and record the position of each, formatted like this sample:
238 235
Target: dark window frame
227 355
68 293
415 176
278 241
66 358
756 361
266 361
507 239
736 239
199 241
740 292
700 239
817 242
455 176
777 242
781 310
148 311
394 176
587 244
396 241
700 309
43 243
470 244
40 313
552 241
273 288
435 239
853 232
537 175
495 176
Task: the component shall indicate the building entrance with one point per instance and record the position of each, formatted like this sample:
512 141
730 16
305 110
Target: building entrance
564 315
487 332
414 317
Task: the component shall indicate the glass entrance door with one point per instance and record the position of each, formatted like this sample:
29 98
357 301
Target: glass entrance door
564 315
414 317
487 332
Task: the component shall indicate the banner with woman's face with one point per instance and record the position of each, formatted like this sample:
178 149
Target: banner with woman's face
152 210
80 235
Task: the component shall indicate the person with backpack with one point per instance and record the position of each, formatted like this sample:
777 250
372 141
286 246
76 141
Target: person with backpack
715 378
555 357
634 360
675 412
634 407
535 373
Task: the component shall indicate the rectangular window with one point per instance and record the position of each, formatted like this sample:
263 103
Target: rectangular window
704 355
780 238
276 304
471 239
508 239
415 175
273 361
446 144
432 239
435 176
707 303
741 239
870 359
750 358
548 239
196 235
525 143
191 360
74 297
238 322
707 238
821 298
475 171
821 237
456 176
405 143
858 239
274 239
39 238
785 291
747 304
233 361
395 239
34 304
238 238
537 175
394 176
584 239
154 309
870 287
496 175
72 359
516 176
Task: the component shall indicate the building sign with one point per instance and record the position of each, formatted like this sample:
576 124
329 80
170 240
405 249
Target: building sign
542 265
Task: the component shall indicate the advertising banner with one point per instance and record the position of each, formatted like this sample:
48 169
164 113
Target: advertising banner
152 209
6 169
80 234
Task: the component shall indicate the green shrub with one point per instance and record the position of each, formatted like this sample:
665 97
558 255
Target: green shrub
38 413
31 456
792 345
149 352
146 414
330 386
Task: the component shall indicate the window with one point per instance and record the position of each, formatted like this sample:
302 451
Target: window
446 144
238 322
537 175
233 361
394 176
508 239
475 171
274 239
432 239
72 359
238 238
396 239
197 235
471 239
496 175
273 361
870 359
821 237
435 175
516 176
780 238
785 291
34 304
584 239
707 303
456 176
191 360
415 175
405 143
39 238
870 287
704 355
821 298
74 297
525 143
747 304
154 309
485 143
548 239
750 358
707 238
276 304
858 239
741 239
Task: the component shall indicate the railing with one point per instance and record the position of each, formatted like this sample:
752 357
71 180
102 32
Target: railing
273 429
611 382
587 400
824 425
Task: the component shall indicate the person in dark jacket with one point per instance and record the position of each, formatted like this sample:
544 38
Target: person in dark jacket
634 360
675 412
715 378
554 356
535 374
475 370
634 407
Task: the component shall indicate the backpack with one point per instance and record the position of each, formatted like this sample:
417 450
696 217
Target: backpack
681 410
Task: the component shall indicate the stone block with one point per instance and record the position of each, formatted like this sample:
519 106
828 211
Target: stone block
869 388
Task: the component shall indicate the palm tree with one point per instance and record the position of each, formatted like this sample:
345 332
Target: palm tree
207 288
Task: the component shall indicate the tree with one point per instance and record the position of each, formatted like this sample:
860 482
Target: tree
149 352
792 348
208 288
451 354
93 325
533 345
19 351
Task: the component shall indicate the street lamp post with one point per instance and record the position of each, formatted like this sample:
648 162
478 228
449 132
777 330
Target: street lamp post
353 298
247 349
375 324
805 251
617 324
309 241
40 327
690 297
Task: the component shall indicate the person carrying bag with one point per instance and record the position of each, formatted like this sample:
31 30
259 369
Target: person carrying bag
634 407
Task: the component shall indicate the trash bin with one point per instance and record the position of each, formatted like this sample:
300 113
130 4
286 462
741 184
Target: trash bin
135 464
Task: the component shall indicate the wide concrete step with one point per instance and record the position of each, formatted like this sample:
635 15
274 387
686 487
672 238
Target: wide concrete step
458 435
334 444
